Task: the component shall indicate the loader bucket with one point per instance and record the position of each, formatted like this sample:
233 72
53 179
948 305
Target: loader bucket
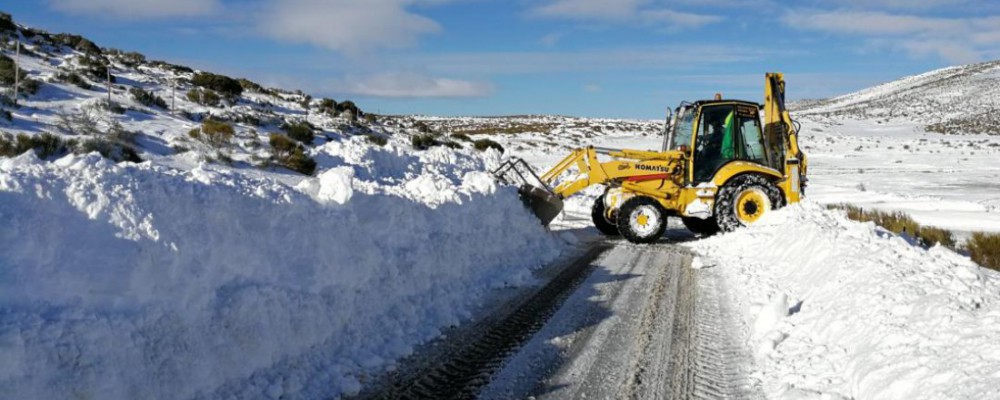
537 196
545 204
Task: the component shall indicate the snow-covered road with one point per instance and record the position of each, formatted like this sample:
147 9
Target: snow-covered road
619 321
639 327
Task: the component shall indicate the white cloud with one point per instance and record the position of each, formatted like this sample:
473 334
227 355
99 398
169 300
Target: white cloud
675 20
867 22
896 4
550 40
411 85
137 9
658 58
590 9
645 12
349 26
958 40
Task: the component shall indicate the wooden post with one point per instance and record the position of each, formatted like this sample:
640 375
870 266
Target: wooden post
173 95
109 84
17 73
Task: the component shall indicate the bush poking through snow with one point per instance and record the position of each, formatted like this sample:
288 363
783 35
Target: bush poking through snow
898 222
111 150
7 71
45 145
74 79
147 99
78 124
376 140
984 249
461 136
205 97
7 23
176 69
129 59
349 110
426 141
300 162
423 142
217 135
111 106
291 154
219 83
930 235
96 68
77 42
30 86
301 131
252 86
328 106
281 146
483 144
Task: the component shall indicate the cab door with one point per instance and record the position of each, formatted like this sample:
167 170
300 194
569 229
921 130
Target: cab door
727 132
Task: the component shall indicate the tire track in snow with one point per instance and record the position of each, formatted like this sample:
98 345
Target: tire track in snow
708 361
460 373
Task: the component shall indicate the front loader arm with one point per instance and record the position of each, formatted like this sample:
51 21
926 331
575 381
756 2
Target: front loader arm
591 172
594 172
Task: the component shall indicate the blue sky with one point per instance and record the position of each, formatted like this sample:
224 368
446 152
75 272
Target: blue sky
596 58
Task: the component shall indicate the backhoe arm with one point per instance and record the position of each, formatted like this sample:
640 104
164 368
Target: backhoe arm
779 123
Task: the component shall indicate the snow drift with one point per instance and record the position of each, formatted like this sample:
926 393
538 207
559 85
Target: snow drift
841 309
141 281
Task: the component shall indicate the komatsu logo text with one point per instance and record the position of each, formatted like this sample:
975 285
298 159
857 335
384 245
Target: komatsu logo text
657 168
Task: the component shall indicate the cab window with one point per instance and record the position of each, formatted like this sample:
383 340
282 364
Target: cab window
751 140
684 128
715 142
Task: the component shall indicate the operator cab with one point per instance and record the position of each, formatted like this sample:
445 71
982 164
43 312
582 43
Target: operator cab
716 132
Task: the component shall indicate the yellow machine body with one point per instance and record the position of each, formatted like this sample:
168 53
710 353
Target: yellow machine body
683 178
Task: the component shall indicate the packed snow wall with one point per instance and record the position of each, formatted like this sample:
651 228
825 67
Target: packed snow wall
141 281
839 309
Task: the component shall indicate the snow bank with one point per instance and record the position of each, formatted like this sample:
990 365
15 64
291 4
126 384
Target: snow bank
844 309
140 281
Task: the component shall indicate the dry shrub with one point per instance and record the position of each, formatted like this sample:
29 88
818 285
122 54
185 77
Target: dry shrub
984 249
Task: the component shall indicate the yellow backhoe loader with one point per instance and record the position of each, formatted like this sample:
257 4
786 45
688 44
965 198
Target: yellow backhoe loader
719 168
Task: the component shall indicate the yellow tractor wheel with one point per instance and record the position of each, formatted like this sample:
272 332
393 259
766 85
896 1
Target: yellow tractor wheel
744 200
751 204
601 222
642 219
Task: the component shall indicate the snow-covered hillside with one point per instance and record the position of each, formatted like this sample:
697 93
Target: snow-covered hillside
208 269
926 145
955 100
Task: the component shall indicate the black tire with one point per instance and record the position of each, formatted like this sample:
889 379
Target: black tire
600 221
703 227
628 220
726 213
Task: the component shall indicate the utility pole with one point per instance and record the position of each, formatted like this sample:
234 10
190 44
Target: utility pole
173 95
109 84
17 73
